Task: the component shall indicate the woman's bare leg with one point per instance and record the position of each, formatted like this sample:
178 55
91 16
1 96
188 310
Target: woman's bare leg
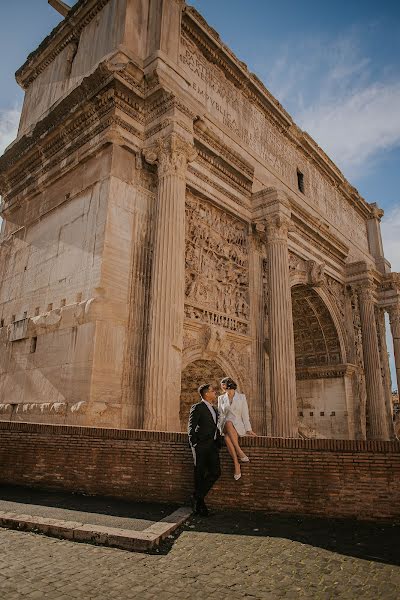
234 437
232 452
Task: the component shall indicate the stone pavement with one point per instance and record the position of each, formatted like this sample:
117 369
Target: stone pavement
103 521
229 555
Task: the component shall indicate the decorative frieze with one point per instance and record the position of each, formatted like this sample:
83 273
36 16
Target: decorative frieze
216 275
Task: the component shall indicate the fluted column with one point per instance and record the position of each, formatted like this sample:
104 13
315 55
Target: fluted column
376 408
282 357
163 377
394 318
258 408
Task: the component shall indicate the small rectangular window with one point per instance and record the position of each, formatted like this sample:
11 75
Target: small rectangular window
2 323
300 181
33 344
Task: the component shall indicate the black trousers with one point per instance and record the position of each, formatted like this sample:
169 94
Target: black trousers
207 468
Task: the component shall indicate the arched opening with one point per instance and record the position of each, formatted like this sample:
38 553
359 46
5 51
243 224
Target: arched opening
315 336
320 373
196 373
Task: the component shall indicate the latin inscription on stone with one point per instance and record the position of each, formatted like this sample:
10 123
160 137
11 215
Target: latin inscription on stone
229 106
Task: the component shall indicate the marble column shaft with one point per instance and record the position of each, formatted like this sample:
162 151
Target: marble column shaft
258 409
282 355
164 359
376 407
394 318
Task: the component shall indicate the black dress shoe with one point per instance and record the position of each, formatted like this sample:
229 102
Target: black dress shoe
194 504
203 510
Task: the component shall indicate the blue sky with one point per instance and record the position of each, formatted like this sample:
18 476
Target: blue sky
335 67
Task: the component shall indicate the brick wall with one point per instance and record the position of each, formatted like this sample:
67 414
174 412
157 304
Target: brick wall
320 477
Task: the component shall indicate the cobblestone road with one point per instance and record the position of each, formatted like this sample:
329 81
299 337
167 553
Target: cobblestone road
230 555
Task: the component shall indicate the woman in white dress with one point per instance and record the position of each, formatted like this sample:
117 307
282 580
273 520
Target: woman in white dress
233 421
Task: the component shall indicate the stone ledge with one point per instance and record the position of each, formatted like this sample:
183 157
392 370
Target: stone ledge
126 539
327 445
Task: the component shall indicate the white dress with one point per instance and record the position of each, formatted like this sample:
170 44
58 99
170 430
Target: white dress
236 411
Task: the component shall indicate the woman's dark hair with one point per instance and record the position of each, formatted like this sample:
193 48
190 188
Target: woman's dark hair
230 384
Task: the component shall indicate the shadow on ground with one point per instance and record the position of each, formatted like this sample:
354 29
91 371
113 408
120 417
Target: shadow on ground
84 503
373 541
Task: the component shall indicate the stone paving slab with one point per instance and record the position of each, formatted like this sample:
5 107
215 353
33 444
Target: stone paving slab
131 526
127 539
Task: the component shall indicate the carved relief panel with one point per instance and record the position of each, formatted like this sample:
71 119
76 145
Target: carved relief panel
217 278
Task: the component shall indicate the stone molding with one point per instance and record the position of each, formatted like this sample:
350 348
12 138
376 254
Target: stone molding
208 41
326 372
80 15
328 445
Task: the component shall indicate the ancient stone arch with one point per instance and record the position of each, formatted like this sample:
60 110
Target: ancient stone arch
317 341
320 357
162 247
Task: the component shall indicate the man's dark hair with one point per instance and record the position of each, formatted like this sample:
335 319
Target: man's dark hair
203 389
230 384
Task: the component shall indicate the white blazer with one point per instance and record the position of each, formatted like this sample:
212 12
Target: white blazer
237 412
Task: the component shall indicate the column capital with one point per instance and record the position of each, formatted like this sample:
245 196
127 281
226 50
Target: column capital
376 212
394 313
277 226
365 288
171 153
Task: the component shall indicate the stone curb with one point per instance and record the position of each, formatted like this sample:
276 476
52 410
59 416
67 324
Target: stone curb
126 539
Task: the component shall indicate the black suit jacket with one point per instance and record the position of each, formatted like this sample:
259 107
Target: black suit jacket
202 427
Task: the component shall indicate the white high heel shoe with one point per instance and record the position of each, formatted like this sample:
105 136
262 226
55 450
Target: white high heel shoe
236 477
244 458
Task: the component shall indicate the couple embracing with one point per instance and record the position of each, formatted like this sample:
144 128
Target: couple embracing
208 425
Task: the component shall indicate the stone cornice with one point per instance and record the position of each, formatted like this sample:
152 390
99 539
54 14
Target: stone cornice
210 139
101 103
209 42
217 165
319 236
325 372
67 31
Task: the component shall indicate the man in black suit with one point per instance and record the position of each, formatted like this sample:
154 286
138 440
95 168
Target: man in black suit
204 439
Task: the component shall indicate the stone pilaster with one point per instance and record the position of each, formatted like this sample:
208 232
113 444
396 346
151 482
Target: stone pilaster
282 356
376 408
394 318
163 378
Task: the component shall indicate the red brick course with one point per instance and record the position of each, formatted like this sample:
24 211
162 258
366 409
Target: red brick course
337 478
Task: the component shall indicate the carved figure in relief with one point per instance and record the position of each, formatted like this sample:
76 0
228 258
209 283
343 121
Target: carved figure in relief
316 275
337 291
216 260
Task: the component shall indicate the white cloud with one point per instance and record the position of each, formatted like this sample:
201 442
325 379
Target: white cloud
333 92
9 120
355 128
